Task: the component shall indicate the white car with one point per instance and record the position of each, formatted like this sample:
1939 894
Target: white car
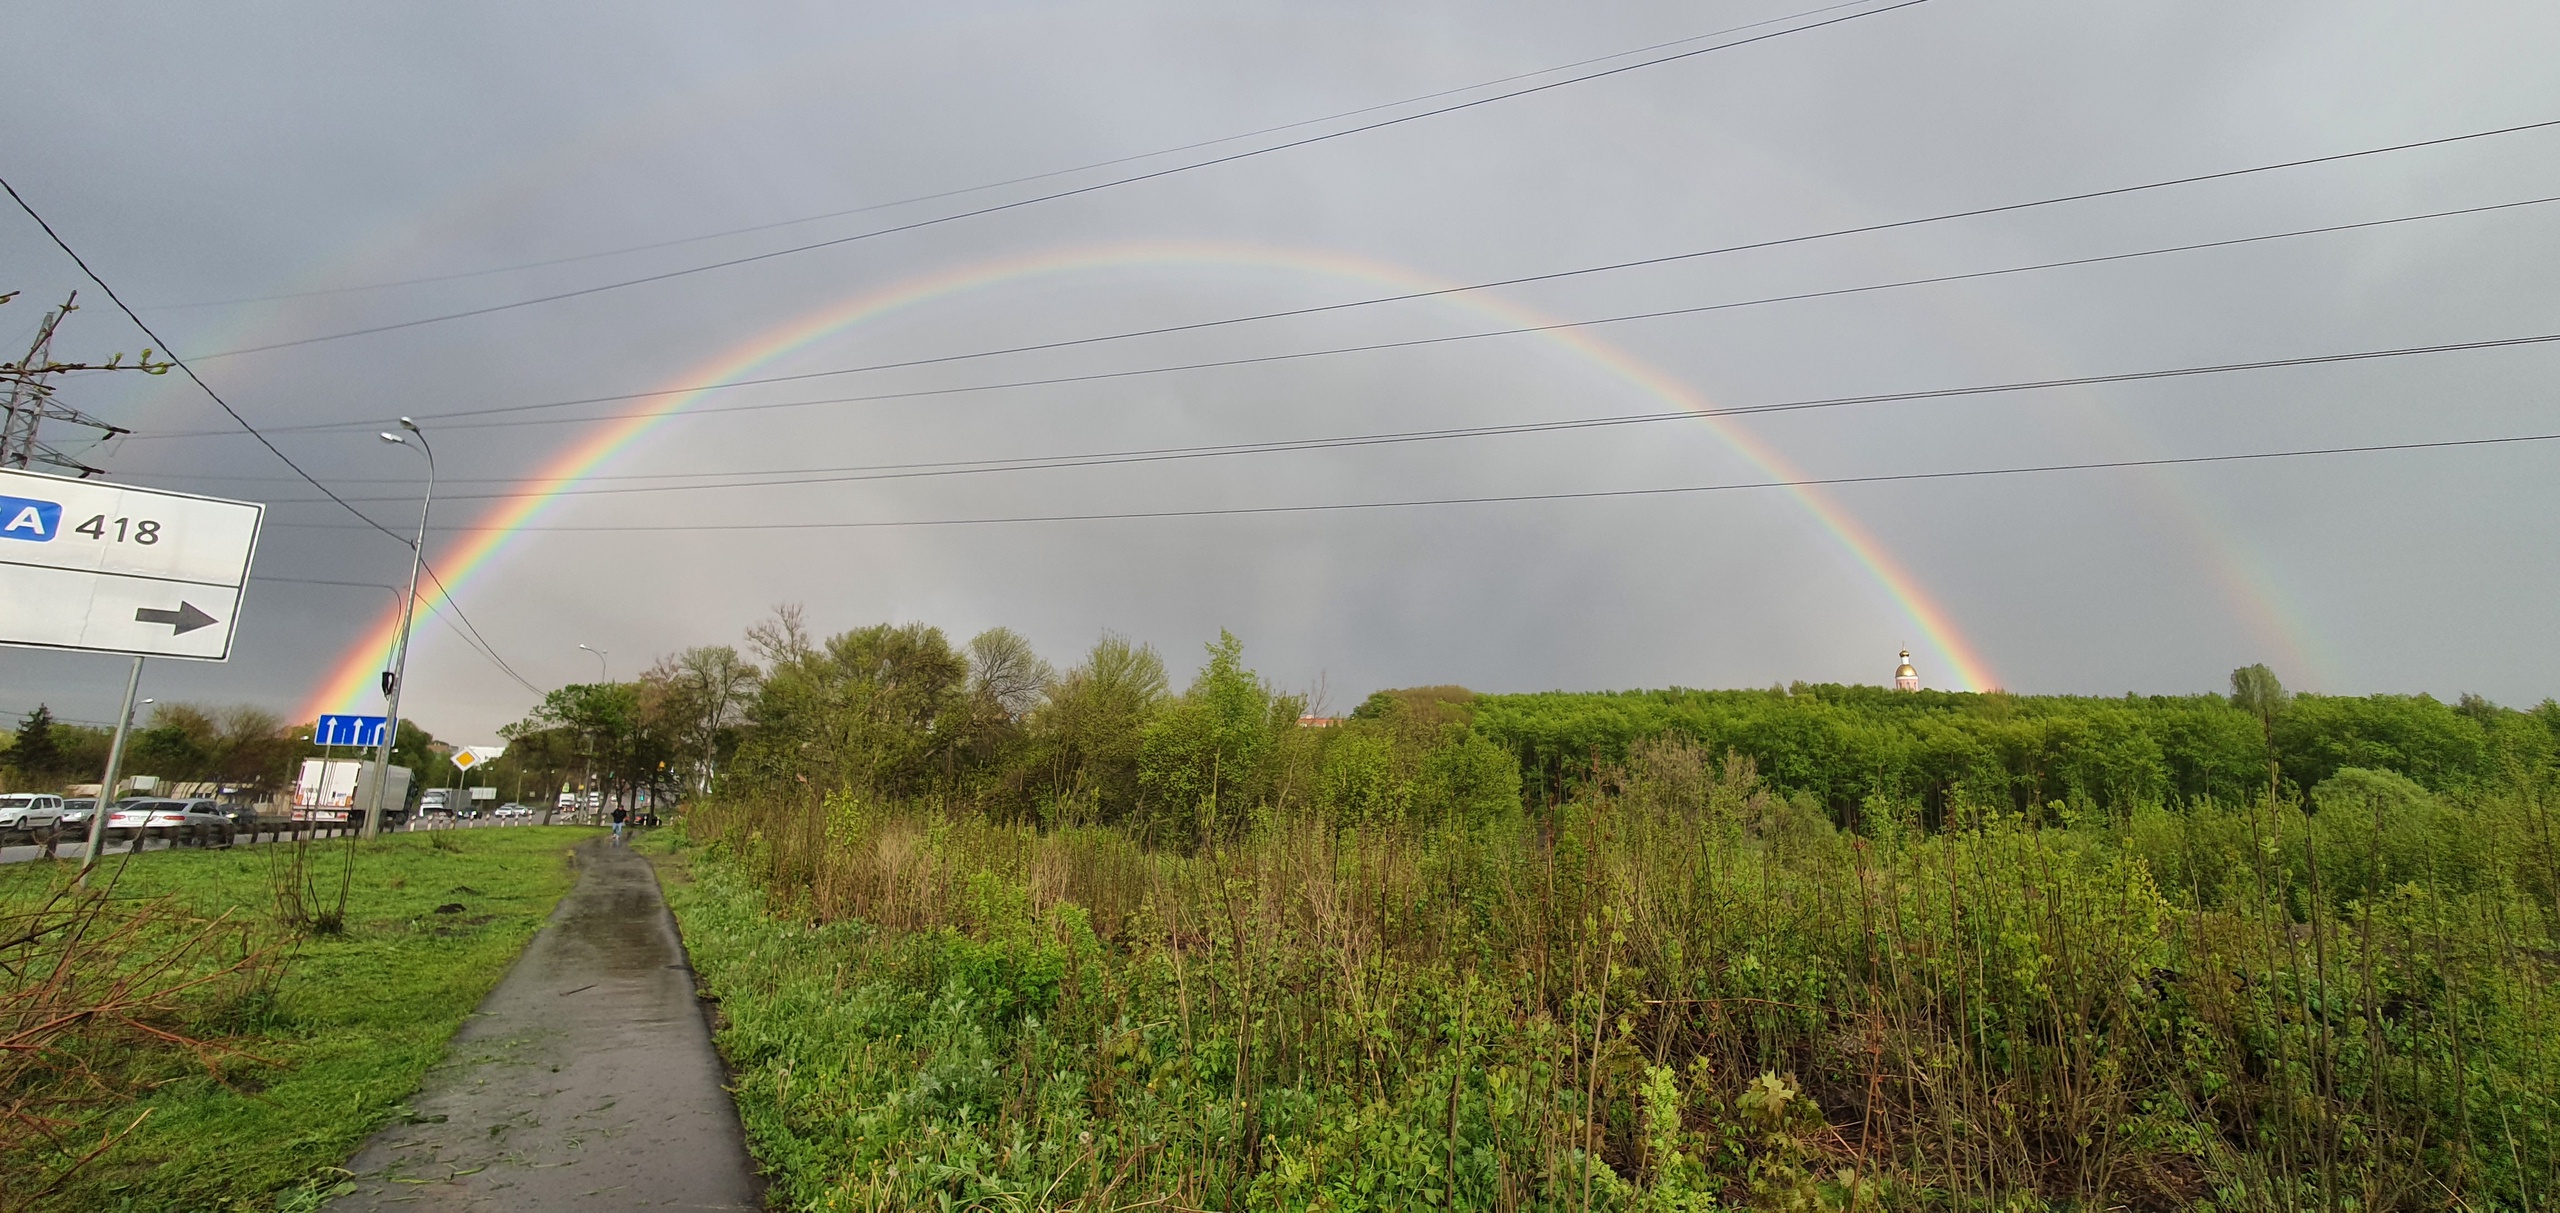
29 812
511 810
179 821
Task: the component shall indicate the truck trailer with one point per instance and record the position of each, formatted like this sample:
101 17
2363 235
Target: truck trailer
337 791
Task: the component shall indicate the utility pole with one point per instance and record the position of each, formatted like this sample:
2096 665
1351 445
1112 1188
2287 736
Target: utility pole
30 401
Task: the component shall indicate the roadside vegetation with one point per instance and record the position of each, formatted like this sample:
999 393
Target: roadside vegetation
247 750
987 936
168 1041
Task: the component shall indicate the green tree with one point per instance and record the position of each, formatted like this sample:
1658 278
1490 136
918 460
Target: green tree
1203 762
2254 690
1087 732
1356 781
176 745
1007 682
698 699
33 751
617 752
1005 676
879 708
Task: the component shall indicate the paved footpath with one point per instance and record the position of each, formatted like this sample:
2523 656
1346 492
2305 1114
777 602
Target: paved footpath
586 1081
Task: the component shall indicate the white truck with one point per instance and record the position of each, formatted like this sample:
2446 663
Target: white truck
338 791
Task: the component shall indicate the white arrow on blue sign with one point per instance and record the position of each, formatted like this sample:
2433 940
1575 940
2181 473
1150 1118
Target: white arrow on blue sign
350 730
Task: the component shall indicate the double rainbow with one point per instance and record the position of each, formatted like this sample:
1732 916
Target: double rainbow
350 684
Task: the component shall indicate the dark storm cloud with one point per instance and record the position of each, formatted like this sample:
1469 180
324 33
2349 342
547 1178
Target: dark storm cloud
205 155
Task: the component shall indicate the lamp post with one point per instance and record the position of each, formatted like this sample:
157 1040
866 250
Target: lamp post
604 677
408 615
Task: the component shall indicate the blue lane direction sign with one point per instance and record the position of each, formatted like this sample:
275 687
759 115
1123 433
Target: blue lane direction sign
350 730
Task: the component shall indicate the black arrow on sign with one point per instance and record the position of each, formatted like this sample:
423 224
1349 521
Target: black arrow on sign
185 619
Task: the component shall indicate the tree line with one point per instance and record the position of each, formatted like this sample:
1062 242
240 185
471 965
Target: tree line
901 712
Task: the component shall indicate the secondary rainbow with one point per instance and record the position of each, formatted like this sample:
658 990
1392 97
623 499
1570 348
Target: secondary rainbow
350 685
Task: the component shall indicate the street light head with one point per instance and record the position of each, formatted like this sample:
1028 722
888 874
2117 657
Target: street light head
390 437
409 425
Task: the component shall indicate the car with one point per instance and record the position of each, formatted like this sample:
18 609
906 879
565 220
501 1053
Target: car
180 821
29 813
511 810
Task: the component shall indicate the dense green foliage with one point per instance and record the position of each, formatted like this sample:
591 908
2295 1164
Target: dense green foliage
1844 745
1104 944
901 712
312 1045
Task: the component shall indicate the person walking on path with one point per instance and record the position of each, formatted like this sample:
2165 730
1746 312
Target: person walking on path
620 815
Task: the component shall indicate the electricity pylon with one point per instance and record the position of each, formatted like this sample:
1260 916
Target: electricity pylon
31 400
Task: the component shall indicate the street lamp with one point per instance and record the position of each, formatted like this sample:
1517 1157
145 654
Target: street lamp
408 615
604 677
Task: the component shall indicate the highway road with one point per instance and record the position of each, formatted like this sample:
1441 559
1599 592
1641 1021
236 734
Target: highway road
72 850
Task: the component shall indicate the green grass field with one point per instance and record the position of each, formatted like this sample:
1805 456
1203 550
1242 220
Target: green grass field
344 1032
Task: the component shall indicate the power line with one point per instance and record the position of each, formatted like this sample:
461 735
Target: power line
1549 276
471 638
444 596
216 397
1372 347
1053 196
1164 454
1010 181
1594 494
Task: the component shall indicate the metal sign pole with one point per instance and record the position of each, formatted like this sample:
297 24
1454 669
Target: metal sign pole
115 759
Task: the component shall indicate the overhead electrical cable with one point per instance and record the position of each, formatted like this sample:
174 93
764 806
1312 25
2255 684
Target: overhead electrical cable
216 397
1052 196
1162 454
1010 181
458 419
1587 495
471 638
1549 276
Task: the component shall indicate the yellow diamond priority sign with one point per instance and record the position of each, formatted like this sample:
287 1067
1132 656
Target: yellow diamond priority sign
473 755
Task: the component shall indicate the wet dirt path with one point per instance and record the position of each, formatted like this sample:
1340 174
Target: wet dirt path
586 1081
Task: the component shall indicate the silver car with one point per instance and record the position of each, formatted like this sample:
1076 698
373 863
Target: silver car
180 821
29 813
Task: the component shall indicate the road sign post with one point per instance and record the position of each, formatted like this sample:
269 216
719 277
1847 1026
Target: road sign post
109 568
105 804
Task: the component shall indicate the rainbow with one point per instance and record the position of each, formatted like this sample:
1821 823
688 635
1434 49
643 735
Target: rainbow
350 684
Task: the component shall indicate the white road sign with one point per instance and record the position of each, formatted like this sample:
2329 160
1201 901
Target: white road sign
115 569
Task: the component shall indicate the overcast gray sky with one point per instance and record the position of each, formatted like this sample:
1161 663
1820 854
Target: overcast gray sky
202 154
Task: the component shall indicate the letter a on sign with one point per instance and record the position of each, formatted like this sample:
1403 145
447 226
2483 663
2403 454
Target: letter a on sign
27 518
